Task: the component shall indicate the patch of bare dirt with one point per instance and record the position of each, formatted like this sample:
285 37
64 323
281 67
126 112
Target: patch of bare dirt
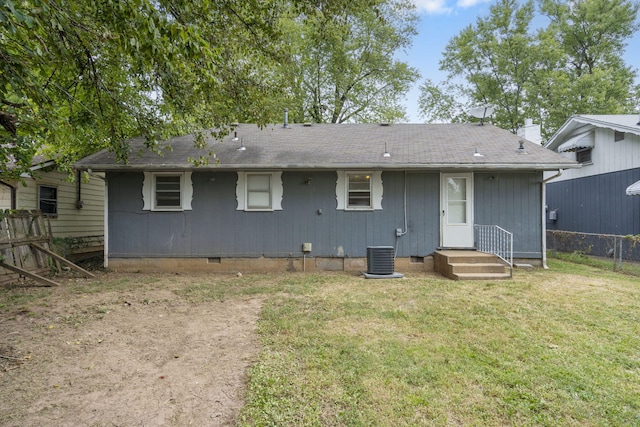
140 357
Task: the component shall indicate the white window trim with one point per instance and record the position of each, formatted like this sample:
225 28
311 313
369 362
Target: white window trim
342 191
276 191
148 190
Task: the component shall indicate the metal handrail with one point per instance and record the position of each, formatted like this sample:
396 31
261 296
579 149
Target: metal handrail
495 240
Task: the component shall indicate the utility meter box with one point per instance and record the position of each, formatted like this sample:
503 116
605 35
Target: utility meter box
306 247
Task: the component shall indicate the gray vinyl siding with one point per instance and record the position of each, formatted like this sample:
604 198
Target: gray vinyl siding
513 202
214 228
596 204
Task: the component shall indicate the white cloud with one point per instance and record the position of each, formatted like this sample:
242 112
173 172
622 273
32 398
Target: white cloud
433 6
469 3
440 7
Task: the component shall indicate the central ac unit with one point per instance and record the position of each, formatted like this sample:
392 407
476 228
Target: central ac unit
380 260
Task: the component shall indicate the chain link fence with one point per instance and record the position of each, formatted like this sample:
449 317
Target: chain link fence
619 249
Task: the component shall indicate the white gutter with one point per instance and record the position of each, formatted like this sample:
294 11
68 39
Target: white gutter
38 167
543 193
336 166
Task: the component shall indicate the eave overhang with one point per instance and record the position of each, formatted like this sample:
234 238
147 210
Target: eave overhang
343 166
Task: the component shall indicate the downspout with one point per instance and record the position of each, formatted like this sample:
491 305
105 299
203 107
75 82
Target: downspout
544 216
13 194
79 202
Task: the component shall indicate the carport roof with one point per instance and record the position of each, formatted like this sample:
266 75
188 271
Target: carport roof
343 146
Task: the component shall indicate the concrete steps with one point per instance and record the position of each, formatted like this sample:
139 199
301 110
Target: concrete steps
470 265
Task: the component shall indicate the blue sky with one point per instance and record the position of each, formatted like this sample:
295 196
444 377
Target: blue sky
440 20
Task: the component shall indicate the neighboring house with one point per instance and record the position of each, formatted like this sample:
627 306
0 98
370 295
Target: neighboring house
339 188
74 209
593 198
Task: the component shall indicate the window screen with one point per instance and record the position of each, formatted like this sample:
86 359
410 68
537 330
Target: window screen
48 200
168 191
359 191
583 156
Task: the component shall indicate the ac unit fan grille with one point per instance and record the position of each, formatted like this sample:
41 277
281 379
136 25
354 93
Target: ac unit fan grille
380 260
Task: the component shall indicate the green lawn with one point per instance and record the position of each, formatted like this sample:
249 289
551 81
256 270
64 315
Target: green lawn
555 347
551 347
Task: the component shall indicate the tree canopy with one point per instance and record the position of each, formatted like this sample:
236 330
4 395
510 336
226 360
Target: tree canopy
85 75
573 65
342 66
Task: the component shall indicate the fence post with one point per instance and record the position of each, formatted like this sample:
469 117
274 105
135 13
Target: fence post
621 239
615 252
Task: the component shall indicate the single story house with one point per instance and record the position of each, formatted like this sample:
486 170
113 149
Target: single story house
75 209
304 196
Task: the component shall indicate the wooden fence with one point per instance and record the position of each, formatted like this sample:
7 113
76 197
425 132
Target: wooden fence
25 248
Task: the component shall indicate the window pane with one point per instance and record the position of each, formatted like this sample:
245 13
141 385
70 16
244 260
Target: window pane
457 188
48 200
167 183
583 156
359 201
168 200
359 190
359 182
259 182
48 192
259 200
259 191
457 213
457 200
168 191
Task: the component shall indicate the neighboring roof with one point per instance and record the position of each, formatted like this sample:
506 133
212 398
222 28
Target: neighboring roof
41 162
345 146
634 189
629 123
38 162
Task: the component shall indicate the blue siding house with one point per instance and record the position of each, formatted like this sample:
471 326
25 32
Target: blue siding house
303 197
596 197
593 208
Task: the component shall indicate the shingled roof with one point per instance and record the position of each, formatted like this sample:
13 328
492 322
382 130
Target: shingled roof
344 146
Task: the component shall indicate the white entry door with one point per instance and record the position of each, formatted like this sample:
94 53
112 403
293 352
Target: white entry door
456 209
